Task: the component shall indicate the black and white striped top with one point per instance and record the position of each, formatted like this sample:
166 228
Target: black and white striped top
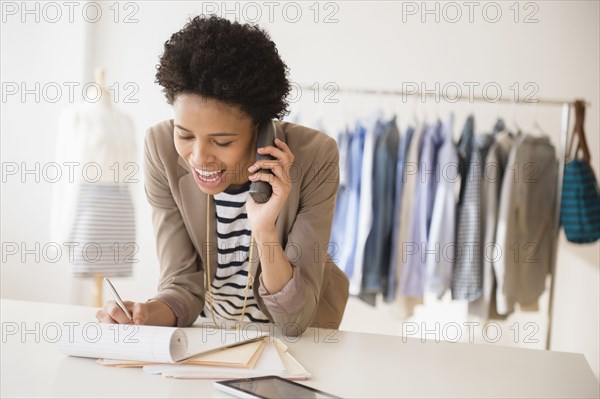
233 242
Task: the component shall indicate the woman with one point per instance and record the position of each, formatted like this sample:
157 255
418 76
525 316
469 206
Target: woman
268 262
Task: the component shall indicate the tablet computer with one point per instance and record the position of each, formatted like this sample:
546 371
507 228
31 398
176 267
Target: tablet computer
269 387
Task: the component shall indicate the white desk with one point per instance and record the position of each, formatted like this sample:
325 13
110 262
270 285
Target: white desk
357 365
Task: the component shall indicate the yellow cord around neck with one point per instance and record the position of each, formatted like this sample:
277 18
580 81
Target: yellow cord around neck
208 283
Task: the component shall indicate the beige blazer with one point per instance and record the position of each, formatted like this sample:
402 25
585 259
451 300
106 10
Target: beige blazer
318 291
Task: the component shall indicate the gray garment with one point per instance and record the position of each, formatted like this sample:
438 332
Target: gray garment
467 278
493 173
526 230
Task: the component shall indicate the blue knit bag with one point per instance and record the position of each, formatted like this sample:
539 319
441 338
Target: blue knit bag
580 203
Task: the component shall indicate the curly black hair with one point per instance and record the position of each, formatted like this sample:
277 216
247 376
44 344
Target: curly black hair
231 62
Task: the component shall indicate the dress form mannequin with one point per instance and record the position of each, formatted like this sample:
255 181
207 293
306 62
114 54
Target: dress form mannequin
96 211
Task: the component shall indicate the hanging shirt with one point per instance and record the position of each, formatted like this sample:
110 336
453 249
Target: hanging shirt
398 220
377 246
526 230
464 149
365 214
494 169
406 304
467 279
442 233
233 243
340 215
345 224
412 281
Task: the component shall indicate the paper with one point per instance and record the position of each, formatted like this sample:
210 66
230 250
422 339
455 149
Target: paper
206 339
124 341
239 356
244 355
290 363
275 360
152 344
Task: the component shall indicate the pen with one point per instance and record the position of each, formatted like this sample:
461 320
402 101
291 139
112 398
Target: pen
117 298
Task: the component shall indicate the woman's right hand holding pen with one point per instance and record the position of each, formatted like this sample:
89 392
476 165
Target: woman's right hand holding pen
127 312
153 312
112 313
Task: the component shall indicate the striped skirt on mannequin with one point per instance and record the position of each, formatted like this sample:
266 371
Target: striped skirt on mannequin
104 231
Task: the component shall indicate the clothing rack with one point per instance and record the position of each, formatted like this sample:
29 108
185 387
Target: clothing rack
566 105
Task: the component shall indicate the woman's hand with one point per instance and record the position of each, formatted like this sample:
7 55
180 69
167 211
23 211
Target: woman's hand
262 216
112 313
153 312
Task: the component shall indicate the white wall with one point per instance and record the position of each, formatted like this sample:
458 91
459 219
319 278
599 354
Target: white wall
369 46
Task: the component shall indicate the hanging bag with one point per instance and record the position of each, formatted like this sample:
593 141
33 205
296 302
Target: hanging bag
580 203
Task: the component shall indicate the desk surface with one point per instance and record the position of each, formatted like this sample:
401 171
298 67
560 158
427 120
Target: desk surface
342 363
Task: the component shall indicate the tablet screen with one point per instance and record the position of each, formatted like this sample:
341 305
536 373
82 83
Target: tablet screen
276 388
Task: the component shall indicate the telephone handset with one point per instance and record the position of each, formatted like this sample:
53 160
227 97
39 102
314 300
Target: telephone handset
261 190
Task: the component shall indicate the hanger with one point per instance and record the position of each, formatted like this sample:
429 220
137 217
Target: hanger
536 129
354 110
514 126
347 114
386 107
450 126
393 111
436 112
499 126
377 113
426 117
415 117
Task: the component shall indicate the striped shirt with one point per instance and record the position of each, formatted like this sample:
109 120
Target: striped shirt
233 243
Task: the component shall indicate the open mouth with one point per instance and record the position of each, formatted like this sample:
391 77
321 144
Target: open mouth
209 177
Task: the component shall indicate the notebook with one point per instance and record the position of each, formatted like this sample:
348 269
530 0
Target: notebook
153 344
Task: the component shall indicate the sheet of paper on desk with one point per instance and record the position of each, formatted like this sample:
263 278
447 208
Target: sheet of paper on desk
273 361
244 355
151 344
201 340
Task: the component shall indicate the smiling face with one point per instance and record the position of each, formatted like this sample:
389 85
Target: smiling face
216 141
